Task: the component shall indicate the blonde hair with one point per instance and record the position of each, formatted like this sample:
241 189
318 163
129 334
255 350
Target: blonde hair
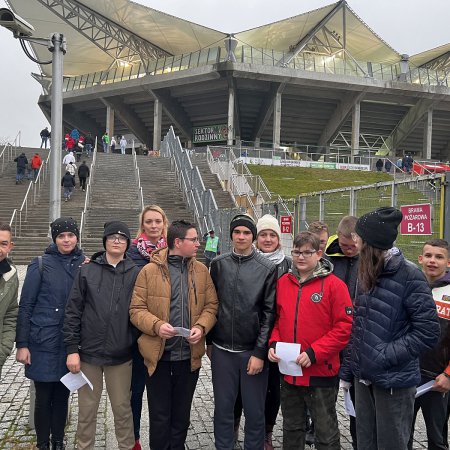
157 209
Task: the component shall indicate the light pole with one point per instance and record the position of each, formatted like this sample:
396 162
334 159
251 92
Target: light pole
56 44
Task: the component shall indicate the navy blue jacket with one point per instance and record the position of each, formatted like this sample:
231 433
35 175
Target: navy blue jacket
41 312
138 259
393 324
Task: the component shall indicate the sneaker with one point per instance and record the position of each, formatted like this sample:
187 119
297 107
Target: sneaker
65 199
137 445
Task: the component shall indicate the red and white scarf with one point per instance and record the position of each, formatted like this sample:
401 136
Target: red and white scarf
145 247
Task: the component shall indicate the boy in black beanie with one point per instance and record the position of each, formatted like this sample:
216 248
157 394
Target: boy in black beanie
245 284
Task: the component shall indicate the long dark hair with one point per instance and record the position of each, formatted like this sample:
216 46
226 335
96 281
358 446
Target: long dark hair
370 266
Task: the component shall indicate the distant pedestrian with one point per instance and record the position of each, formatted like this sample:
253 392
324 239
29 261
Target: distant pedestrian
83 174
379 165
68 183
387 165
22 162
123 145
89 144
79 148
36 163
113 144
72 169
39 335
211 248
105 142
45 134
69 143
68 159
75 135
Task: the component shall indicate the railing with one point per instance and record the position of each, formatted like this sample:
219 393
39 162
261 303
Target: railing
88 197
304 61
138 178
9 150
199 200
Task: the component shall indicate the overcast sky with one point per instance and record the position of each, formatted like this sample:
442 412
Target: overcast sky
409 26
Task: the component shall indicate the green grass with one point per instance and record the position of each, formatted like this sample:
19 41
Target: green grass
288 182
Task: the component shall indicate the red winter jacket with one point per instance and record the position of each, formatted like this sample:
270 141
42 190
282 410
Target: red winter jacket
318 315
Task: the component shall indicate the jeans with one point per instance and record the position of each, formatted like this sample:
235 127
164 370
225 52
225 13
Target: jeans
20 173
50 413
170 390
321 402
44 142
122 149
88 148
68 192
229 373
105 147
385 417
82 183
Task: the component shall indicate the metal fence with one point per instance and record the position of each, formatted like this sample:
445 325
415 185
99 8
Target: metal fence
200 201
331 206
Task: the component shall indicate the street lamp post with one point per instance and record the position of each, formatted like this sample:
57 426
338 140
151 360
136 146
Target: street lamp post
56 44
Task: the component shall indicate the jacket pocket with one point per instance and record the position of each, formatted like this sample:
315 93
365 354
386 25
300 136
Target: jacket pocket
46 328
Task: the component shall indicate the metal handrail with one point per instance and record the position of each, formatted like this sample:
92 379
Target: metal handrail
13 220
138 178
87 198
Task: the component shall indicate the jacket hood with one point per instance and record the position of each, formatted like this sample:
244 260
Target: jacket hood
52 249
161 255
323 268
100 259
333 248
443 281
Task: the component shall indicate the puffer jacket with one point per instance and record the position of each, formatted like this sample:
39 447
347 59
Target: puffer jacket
97 323
41 312
9 308
246 290
345 267
393 324
317 314
150 306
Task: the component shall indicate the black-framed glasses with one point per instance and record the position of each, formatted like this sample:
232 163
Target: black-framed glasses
305 254
194 240
116 237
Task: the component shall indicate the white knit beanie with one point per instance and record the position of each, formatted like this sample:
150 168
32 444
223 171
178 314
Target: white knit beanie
268 222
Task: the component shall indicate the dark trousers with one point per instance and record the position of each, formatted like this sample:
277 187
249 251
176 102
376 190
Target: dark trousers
82 182
138 377
434 410
229 372
50 412
384 417
353 419
321 403
169 391
272 405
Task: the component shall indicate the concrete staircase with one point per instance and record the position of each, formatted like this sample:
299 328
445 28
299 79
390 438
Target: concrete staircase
114 197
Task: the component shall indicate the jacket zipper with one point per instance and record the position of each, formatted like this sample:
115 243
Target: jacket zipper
234 302
110 312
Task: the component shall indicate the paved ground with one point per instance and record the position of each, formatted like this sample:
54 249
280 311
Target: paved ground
14 409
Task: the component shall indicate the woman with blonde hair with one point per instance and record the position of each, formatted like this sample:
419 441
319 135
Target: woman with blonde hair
151 235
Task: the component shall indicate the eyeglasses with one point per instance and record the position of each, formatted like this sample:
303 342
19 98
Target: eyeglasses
194 240
307 254
116 237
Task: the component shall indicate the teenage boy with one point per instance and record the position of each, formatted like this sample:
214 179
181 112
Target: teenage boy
173 290
314 310
99 336
9 285
245 283
435 364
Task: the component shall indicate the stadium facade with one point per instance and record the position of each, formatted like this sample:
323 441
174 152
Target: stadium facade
319 79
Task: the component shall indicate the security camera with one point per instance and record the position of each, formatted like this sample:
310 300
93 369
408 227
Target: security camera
15 23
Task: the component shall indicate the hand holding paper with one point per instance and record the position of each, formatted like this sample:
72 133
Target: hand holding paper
73 381
288 354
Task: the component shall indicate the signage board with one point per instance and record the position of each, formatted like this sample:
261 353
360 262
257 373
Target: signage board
286 224
416 219
210 133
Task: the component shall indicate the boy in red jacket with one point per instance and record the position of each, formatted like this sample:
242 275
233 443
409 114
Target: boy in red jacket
314 309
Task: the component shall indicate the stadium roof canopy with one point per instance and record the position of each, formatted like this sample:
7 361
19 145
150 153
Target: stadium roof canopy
435 58
101 33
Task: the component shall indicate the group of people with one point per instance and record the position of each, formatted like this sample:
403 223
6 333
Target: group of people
76 143
386 164
71 170
142 313
109 143
25 169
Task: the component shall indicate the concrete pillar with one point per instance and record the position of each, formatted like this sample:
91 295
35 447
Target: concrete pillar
277 120
427 134
157 120
257 142
231 95
356 119
110 121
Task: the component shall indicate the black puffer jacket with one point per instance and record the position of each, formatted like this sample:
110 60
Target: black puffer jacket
245 287
97 323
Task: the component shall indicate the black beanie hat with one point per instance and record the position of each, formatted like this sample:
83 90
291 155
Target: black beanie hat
379 228
243 220
116 227
63 225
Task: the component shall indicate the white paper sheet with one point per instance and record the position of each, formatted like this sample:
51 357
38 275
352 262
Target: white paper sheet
288 354
348 404
424 388
73 381
185 332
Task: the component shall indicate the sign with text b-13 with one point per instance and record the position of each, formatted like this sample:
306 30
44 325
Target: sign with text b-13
416 219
